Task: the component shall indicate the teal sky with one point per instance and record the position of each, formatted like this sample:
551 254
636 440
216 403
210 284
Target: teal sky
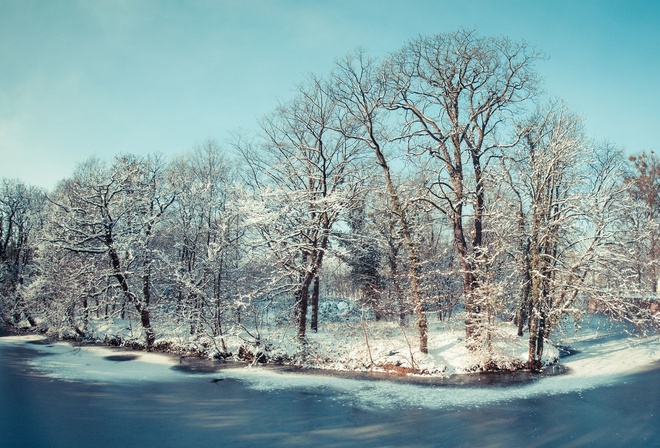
99 78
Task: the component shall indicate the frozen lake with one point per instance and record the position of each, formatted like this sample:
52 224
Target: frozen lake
57 395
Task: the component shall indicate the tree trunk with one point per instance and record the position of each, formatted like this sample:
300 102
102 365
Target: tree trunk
394 271
148 331
300 309
85 314
473 304
533 337
413 254
145 319
72 320
469 280
314 323
653 256
540 340
537 332
523 307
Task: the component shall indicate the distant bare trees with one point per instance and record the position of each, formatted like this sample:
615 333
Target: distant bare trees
20 224
453 99
643 181
204 230
359 87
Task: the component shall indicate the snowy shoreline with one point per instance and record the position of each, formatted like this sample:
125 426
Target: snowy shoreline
603 360
195 364
603 365
379 350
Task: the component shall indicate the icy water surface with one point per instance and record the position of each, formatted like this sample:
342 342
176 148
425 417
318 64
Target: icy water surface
57 395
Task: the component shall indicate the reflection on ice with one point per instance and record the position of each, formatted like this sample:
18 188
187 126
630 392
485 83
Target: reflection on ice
596 365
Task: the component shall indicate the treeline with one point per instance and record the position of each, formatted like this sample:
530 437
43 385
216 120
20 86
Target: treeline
436 179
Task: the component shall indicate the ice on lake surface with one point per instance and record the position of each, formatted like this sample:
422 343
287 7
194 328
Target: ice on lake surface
599 363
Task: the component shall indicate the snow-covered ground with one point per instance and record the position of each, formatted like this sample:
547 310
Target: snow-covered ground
386 346
358 346
599 363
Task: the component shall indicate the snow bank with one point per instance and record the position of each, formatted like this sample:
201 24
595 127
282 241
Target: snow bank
345 345
598 364
614 357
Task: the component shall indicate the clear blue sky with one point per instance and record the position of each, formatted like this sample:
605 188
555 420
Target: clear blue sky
98 78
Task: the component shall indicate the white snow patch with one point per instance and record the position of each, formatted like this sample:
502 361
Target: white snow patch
615 357
89 363
18 340
356 347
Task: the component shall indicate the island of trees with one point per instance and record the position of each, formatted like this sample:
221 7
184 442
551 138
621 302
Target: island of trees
439 182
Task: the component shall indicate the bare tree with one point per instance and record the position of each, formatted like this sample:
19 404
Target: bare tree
625 282
363 257
552 146
458 93
358 87
115 212
205 233
303 169
20 223
568 195
70 290
643 181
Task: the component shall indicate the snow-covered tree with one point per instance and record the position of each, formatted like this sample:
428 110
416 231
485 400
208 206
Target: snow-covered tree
20 223
566 194
359 89
643 181
204 231
302 171
458 93
626 278
115 212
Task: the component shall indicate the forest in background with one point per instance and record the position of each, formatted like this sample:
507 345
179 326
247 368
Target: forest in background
438 181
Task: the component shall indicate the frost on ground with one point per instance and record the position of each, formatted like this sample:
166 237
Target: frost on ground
605 365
